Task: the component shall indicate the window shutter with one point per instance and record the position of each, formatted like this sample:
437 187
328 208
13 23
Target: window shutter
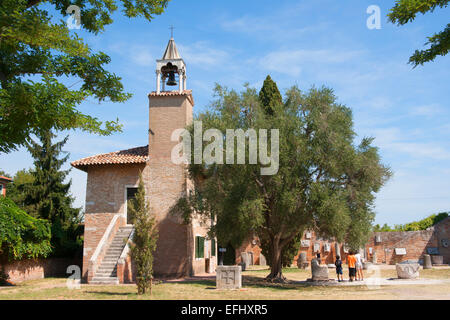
201 248
197 243
213 247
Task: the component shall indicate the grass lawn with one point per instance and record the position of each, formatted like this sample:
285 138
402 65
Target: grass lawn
254 287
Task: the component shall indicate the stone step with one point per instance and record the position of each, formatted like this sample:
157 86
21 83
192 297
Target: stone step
106 270
104 280
113 252
109 261
112 256
105 274
116 247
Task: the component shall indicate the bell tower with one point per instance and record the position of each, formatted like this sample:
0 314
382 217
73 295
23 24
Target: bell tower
168 181
170 67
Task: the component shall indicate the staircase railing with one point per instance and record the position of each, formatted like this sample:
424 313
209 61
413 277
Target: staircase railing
102 246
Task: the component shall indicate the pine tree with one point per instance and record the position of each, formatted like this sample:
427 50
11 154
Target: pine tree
144 239
48 197
270 96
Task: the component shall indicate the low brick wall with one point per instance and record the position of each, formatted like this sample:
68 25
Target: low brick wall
415 243
39 268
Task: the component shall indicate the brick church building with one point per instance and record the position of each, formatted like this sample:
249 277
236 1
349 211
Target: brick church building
112 179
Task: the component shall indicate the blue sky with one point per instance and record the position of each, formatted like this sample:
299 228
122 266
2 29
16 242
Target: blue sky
320 42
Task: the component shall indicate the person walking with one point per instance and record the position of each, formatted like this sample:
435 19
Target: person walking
339 272
351 260
359 267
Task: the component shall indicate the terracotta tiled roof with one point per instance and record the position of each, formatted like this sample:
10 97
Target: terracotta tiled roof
170 93
5 178
173 93
133 155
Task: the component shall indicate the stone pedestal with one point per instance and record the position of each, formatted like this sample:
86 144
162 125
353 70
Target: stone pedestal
302 263
228 277
407 270
245 260
437 259
337 250
374 257
319 272
427 262
262 260
367 265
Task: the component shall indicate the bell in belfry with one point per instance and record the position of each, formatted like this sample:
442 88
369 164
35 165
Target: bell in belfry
171 81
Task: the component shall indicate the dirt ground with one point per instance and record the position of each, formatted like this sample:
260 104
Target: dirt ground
381 285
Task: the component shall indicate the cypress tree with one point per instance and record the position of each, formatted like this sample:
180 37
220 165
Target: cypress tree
269 96
48 197
144 239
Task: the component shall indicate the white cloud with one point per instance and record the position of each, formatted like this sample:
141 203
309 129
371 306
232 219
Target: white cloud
395 140
291 62
204 55
428 111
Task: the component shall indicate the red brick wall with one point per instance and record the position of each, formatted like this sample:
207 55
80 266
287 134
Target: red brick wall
415 243
442 230
23 270
251 245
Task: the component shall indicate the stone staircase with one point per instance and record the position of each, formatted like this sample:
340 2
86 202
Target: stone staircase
107 271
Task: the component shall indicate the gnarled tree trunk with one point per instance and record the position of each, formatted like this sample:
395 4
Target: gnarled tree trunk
276 267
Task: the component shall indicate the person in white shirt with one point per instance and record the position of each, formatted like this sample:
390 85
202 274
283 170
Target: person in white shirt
359 267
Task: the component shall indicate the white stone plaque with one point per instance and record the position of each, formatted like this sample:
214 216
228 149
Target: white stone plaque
316 247
400 251
305 243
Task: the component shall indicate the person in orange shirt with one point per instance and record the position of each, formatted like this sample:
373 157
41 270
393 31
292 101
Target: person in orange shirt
351 260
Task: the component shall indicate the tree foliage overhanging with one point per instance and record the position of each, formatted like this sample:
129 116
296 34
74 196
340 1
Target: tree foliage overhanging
406 11
325 182
21 235
37 53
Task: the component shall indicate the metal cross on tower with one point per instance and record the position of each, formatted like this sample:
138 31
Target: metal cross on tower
171 31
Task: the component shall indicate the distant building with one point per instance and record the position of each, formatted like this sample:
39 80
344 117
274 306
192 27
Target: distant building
3 182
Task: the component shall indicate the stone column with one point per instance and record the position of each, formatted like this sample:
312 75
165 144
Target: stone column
427 262
337 250
302 261
180 80
158 81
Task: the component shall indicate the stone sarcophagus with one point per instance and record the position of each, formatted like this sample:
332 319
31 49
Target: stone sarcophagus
407 270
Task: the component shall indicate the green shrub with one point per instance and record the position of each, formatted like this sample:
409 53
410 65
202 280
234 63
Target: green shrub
21 235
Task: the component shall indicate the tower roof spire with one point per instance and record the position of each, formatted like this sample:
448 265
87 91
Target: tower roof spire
171 51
